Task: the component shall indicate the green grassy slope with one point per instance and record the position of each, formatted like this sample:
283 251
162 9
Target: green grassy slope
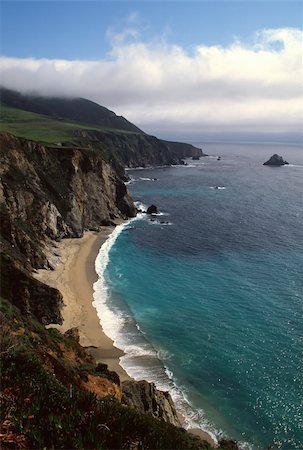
71 109
43 128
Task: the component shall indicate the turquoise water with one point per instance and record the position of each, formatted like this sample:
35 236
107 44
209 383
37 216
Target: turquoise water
207 299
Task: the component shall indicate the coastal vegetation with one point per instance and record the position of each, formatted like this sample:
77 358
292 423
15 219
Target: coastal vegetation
47 129
47 401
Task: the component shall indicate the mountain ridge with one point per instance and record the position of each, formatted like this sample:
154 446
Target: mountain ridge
78 109
121 142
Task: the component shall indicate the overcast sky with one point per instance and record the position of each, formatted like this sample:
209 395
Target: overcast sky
173 68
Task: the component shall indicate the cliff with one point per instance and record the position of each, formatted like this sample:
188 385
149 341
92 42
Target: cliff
50 193
144 397
136 150
80 123
53 393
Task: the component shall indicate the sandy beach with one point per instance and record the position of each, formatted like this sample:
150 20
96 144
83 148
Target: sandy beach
74 276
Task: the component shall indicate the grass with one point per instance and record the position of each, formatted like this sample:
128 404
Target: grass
44 406
45 129
9 114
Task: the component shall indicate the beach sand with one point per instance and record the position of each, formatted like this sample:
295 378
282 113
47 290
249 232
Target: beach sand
74 276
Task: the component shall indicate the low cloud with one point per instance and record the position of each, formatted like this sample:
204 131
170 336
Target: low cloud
158 86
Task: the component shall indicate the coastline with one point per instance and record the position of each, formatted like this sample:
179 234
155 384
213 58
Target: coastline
74 275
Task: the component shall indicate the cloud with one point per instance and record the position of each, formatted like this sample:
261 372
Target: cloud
256 87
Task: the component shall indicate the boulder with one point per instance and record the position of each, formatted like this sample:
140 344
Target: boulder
152 209
275 160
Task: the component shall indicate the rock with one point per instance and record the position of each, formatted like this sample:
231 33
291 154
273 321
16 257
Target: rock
146 398
275 160
228 444
196 158
73 333
126 206
152 209
51 195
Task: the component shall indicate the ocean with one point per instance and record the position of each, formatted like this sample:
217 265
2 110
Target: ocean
206 298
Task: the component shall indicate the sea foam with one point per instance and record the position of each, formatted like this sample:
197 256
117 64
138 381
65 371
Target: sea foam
141 359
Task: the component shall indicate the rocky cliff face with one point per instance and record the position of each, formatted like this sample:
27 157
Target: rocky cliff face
47 194
146 398
51 193
137 150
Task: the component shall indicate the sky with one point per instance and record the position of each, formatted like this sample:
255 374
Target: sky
188 69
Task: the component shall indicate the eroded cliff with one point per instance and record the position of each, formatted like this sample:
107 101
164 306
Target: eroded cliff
58 394
51 193
137 150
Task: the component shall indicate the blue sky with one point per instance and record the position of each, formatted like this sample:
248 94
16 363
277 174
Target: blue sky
77 30
184 68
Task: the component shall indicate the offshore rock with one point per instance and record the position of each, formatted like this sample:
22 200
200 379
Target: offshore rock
152 209
146 398
275 160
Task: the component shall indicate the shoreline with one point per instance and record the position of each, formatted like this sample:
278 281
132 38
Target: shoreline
74 276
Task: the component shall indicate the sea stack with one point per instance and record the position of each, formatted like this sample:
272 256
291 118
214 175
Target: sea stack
152 209
275 160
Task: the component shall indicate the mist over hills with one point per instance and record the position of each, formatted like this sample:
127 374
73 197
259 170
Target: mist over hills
78 109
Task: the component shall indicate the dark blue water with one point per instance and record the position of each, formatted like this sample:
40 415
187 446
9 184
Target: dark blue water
215 291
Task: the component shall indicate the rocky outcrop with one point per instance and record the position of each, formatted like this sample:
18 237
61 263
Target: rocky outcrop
136 150
51 193
54 396
47 194
184 150
152 209
146 398
30 295
101 387
275 160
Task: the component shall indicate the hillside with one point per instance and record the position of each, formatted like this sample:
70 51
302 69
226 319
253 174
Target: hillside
121 145
53 393
74 109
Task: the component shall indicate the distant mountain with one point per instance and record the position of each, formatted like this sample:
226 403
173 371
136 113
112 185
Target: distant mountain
75 109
